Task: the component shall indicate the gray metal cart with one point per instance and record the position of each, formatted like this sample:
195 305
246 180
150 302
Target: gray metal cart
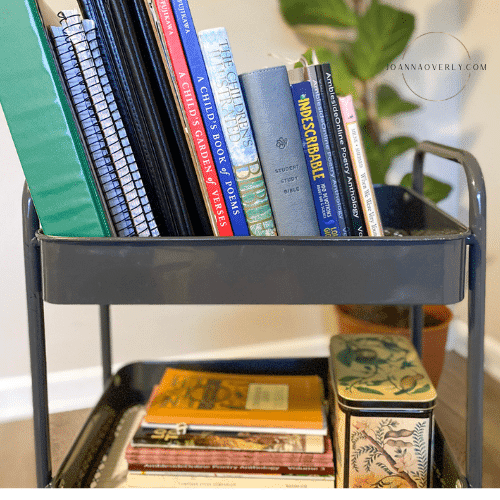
421 269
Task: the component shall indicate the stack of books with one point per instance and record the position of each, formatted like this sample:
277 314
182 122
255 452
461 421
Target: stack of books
218 430
177 143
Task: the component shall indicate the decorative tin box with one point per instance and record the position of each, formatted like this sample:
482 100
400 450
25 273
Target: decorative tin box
382 412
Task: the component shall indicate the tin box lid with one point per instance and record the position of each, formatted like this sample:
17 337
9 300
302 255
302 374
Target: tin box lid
379 371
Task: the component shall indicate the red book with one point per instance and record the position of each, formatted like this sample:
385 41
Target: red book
138 455
192 113
236 469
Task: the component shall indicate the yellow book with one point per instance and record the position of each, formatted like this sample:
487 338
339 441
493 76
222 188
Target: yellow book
223 401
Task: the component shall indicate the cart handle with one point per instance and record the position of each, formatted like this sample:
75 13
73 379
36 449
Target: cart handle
475 181
476 295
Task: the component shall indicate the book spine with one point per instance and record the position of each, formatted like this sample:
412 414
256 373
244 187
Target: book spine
74 32
212 480
315 156
81 37
190 180
93 136
210 116
318 93
132 178
279 145
125 59
260 426
238 133
361 168
192 112
337 168
135 180
354 210
310 470
169 439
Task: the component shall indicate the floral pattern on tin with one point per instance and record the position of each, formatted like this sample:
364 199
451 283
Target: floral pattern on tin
389 453
381 365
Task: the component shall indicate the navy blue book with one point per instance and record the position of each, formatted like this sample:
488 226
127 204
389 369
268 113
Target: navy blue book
312 143
309 73
201 83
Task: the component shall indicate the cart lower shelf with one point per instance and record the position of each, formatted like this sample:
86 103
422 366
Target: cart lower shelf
91 454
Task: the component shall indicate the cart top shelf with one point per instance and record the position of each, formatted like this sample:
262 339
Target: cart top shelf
426 266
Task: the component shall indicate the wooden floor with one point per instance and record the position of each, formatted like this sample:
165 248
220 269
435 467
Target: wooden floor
17 462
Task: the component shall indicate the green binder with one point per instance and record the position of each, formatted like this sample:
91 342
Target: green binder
43 129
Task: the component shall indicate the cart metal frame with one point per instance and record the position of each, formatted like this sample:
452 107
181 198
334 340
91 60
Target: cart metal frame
37 290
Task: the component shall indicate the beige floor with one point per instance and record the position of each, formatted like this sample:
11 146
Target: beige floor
17 462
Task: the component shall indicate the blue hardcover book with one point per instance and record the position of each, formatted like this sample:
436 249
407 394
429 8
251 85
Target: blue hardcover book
205 97
237 130
310 132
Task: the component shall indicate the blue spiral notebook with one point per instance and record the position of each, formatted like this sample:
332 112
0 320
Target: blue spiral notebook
100 119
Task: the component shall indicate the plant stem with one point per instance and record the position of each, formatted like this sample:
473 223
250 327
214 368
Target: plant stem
356 4
372 126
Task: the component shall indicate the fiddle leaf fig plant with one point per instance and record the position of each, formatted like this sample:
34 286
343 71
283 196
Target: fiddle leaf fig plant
381 33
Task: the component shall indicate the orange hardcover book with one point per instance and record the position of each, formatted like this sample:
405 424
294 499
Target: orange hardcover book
224 401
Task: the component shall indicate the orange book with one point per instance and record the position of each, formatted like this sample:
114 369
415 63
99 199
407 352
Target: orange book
223 401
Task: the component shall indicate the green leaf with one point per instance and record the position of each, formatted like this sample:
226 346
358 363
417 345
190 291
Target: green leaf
383 33
433 189
380 156
424 388
347 379
318 12
390 346
406 364
397 146
377 382
368 390
346 356
342 79
375 157
307 55
389 103
361 115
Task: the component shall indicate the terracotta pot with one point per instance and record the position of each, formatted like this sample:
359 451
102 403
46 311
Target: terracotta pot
433 337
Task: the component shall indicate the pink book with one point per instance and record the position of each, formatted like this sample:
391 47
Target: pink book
361 168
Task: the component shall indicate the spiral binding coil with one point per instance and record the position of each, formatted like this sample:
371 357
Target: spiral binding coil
105 135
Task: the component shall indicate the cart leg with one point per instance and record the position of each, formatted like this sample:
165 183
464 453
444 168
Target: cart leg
475 363
32 265
476 296
105 343
416 321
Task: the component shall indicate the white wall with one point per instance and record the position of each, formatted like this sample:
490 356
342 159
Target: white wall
468 121
256 31
147 332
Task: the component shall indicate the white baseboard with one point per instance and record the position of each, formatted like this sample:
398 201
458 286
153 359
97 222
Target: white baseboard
67 390
15 392
78 389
